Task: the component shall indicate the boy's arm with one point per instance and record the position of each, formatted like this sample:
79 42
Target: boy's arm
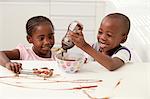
108 62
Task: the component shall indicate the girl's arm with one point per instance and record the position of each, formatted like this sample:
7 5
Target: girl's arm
3 59
6 56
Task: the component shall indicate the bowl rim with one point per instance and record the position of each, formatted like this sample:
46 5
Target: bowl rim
73 53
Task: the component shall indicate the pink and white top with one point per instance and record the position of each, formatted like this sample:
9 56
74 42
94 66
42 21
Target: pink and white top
26 53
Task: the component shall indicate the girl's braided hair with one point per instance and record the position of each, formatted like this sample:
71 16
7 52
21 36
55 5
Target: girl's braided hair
33 22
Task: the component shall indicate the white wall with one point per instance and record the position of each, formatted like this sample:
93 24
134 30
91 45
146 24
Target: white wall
13 17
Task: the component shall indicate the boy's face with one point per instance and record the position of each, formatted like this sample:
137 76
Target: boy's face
109 34
42 39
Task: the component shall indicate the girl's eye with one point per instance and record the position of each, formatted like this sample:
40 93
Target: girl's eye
51 36
41 38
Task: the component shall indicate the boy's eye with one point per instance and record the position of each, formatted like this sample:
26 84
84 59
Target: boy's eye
50 37
109 35
99 32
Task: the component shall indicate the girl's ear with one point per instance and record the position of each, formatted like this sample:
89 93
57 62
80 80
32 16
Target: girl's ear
29 38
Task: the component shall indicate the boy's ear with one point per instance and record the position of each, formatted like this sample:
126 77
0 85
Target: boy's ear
29 38
124 38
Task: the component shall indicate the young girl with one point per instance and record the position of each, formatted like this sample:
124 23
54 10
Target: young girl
108 51
40 33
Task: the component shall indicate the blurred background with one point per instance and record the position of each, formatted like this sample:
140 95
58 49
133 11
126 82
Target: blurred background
15 13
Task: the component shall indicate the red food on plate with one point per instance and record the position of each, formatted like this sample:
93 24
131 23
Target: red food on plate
43 72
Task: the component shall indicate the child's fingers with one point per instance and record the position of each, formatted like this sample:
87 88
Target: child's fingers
75 35
12 66
15 67
80 33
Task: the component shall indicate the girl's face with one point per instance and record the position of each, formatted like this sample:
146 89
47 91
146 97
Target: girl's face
109 34
43 40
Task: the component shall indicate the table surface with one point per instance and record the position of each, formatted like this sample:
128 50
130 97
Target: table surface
132 81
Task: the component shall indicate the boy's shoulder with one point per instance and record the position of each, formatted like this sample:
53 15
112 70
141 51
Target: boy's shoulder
123 53
122 48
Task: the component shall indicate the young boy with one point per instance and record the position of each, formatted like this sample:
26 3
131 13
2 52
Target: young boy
107 51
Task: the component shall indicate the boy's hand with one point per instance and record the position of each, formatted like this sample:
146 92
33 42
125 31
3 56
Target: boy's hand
14 66
77 39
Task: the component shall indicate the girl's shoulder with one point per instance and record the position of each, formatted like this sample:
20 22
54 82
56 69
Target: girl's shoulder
23 47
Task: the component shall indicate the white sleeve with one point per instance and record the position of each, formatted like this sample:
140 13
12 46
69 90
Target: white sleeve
123 54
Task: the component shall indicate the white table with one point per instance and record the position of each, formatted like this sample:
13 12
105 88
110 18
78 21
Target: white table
134 82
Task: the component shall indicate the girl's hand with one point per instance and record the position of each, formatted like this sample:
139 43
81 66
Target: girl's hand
14 66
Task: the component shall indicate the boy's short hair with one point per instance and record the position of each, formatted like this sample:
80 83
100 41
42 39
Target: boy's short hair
124 19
